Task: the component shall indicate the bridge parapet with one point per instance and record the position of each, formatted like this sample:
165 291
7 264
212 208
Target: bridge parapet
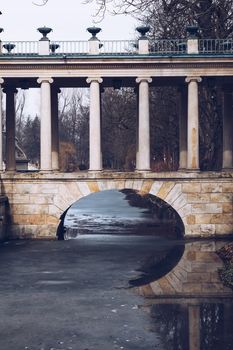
204 201
158 47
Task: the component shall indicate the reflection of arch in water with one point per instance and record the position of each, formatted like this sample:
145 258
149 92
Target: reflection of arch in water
124 211
195 274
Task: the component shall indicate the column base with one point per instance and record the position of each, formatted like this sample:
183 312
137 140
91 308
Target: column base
94 170
182 169
11 171
193 170
46 171
142 170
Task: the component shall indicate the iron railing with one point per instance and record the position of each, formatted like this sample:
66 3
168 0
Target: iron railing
22 48
216 46
80 47
168 47
119 47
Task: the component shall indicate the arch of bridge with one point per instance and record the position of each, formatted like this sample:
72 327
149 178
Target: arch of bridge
36 201
169 191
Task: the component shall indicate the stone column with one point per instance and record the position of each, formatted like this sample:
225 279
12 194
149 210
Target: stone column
228 131
55 128
101 121
183 128
95 159
10 128
193 123
194 327
137 123
45 125
1 128
143 157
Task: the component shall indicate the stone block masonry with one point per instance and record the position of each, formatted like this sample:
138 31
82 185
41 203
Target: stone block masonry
204 201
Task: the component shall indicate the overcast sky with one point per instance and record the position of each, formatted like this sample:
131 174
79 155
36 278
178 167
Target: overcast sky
68 19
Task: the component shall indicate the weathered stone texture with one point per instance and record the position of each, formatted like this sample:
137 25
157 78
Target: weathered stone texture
211 188
93 186
206 207
191 188
227 208
165 189
146 187
199 198
155 187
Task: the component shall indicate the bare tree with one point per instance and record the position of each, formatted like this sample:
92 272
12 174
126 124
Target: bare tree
19 112
119 128
73 127
169 18
214 17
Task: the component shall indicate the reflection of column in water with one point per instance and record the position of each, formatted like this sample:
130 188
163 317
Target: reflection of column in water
194 327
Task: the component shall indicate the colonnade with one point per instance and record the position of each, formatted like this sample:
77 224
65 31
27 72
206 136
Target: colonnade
188 126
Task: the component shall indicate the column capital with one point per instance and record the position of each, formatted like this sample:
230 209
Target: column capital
45 79
145 79
196 79
1 81
91 79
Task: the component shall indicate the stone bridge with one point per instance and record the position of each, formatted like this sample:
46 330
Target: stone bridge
36 200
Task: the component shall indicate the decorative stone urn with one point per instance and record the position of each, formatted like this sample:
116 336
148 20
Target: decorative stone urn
9 47
54 47
93 31
192 31
44 31
143 30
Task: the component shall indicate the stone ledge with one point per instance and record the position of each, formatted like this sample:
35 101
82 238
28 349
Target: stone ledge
111 175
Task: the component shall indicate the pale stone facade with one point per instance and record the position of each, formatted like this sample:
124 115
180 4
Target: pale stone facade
203 200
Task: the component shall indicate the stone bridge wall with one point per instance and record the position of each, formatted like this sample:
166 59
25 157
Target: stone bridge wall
3 211
36 201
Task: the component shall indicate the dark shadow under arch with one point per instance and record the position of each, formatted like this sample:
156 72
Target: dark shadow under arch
134 212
